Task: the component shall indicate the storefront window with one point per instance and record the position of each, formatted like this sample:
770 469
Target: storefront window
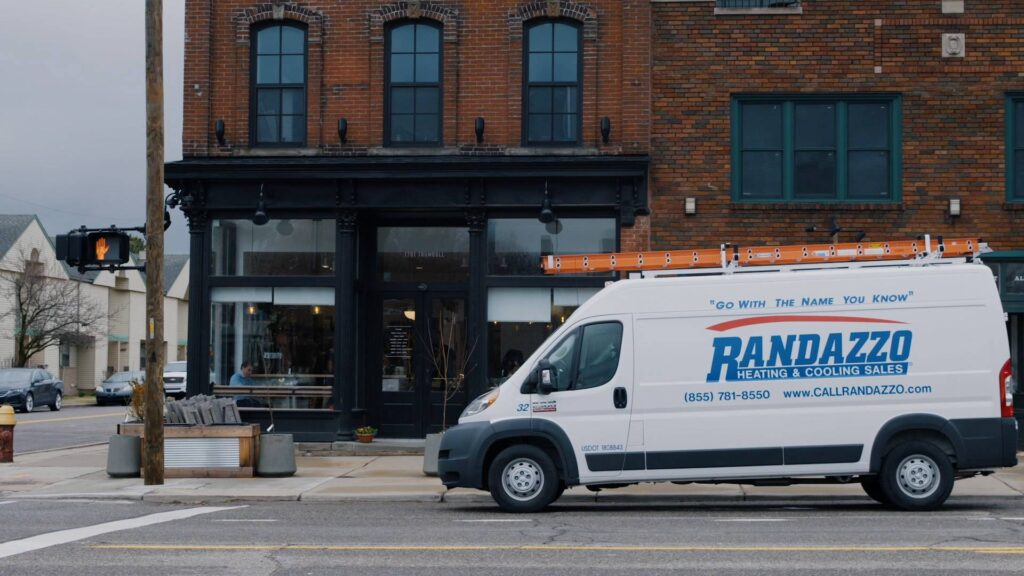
520 319
286 338
278 248
423 254
516 245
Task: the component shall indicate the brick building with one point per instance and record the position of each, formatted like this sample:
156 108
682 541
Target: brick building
367 179
370 186
887 118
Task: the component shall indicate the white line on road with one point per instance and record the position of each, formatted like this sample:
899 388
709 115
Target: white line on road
8 502
499 520
75 534
1011 519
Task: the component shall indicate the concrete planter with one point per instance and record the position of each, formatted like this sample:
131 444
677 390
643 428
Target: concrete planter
431 448
277 455
124 456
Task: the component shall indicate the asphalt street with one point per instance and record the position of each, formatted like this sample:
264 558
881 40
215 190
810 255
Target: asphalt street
970 536
44 429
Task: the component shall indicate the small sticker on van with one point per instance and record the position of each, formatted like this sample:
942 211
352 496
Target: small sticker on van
547 406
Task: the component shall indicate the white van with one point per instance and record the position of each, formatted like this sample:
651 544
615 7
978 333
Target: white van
895 377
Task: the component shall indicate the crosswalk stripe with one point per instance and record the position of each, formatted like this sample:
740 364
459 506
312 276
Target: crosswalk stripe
41 541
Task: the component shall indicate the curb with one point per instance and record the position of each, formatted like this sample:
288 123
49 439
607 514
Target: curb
482 498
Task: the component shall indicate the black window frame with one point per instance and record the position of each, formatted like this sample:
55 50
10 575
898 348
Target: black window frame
254 87
1014 145
388 84
578 85
788 103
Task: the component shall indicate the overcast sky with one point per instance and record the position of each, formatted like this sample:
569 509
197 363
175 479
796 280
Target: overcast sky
72 111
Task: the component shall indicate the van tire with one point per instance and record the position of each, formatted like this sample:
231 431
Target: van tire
916 476
523 478
873 488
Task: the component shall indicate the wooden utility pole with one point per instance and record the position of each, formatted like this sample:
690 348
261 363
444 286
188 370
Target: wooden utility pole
153 447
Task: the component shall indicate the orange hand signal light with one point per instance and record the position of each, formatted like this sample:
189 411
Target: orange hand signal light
107 248
102 248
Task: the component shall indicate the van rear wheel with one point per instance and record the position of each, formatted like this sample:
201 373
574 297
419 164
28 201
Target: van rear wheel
916 476
523 479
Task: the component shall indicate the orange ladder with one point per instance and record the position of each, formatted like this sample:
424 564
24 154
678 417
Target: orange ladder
733 255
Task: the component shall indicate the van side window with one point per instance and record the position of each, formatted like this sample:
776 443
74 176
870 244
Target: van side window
599 354
562 358
587 357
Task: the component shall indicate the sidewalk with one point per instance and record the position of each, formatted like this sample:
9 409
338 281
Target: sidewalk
79 473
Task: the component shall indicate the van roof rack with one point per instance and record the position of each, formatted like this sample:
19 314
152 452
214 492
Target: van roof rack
729 258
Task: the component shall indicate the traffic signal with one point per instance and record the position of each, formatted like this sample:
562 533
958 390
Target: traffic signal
105 248
71 248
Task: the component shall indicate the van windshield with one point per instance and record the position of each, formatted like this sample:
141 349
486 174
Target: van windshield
176 367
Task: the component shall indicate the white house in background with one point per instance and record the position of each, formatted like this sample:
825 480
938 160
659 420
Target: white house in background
121 296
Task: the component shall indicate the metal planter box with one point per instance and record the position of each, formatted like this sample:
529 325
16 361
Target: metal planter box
228 451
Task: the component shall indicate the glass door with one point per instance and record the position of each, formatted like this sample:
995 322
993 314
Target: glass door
424 356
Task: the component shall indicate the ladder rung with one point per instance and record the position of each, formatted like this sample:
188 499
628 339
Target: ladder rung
731 255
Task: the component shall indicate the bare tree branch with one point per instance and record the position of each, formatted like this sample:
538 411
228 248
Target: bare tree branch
47 309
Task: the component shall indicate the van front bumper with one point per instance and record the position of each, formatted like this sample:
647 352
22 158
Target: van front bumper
459 460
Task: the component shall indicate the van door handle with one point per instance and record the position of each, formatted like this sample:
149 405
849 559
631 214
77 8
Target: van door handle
620 398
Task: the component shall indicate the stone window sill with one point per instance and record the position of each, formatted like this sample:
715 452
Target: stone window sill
817 206
780 11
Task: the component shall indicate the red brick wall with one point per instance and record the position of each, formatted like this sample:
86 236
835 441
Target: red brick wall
953 113
482 46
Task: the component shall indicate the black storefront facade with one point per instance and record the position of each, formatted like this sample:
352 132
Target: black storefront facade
376 281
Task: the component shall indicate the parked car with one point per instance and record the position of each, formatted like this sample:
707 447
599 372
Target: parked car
117 389
26 388
175 379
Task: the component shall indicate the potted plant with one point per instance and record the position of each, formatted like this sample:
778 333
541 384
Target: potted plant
365 434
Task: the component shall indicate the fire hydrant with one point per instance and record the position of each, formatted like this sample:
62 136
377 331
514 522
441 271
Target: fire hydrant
7 423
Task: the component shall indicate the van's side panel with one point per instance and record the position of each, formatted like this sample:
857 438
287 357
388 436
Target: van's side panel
796 373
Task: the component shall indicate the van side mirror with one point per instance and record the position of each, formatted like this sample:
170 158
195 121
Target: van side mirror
547 377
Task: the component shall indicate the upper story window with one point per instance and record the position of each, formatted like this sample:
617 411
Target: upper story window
552 71
279 86
816 149
1015 148
414 85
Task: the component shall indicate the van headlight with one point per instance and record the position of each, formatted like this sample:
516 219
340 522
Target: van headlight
481 403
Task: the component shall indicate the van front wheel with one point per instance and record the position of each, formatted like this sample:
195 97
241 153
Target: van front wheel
873 488
523 479
916 476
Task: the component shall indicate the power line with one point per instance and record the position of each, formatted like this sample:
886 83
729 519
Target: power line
38 205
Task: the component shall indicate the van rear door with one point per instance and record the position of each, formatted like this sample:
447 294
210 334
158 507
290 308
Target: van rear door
593 379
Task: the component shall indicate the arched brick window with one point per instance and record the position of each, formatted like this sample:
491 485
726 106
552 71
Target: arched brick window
413 92
553 69
278 85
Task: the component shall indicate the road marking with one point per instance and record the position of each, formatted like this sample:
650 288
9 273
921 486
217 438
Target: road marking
93 417
555 548
8 502
499 520
41 541
754 520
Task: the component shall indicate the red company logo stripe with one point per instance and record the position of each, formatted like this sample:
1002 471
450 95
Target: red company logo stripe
725 326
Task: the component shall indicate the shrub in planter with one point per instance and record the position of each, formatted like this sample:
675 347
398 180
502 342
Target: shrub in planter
365 434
